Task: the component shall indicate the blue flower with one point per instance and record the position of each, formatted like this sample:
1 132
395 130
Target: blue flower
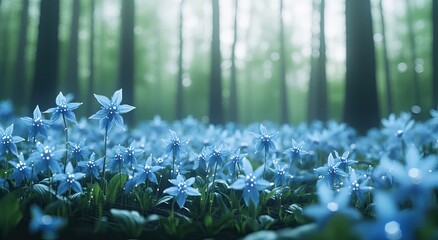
181 189
330 203
78 151
357 187
251 183
235 164
146 173
91 167
118 160
281 176
130 153
216 157
265 140
416 179
390 222
201 161
37 124
174 144
48 225
296 152
7 144
63 108
69 180
45 157
344 163
111 110
21 171
331 173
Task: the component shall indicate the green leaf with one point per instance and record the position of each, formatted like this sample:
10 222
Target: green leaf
10 215
164 199
208 221
130 222
42 192
266 221
115 187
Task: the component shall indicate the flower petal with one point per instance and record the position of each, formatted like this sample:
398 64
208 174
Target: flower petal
104 101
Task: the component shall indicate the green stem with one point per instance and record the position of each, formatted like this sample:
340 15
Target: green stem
173 166
66 142
213 187
264 167
50 182
104 160
238 171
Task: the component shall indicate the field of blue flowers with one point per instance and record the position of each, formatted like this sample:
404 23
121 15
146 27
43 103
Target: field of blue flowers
65 176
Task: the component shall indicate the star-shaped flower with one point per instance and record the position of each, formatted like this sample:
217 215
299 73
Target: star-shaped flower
7 141
181 189
111 110
251 183
63 108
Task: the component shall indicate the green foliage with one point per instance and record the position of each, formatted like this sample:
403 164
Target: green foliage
131 223
10 215
115 188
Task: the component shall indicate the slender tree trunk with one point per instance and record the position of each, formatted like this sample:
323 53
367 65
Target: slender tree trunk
46 64
249 71
413 49
233 87
158 65
20 63
72 77
284 115
91 60
179 89
4 51
361 105
389 104
435 53
318 77
126 56
216 110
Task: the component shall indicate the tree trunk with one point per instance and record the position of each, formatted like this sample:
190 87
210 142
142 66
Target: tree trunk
389 104
361 105
435 53
44 88
91 61
4 51
413 49
126 56
233 87
284 111
179 89
72 77
20 63
318 77
215 109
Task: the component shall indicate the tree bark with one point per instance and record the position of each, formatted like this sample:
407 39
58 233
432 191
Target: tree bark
435 53
389 104
361 105
284 111
180 87
91 61
215 109
72 77
413 48
44 88
318 77
126 56
20 63
233 86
